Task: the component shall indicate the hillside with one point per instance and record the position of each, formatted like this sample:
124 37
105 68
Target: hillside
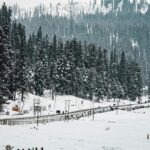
120 25
63 7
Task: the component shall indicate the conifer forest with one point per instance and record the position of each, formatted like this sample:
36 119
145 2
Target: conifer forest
37 62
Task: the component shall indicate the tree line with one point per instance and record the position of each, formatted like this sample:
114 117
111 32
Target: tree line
68 67
124 28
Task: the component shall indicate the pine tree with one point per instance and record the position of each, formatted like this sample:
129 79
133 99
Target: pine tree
122 73
100 76
100 62
41 66
5 19
78 83
92 57
138 82
134 82
6 51
30 51
106 74
53 64
23 75
5 64
14 36
66 68
115 86
91 83
46 47
100 87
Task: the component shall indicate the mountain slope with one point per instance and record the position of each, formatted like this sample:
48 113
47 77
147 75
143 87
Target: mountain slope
64 7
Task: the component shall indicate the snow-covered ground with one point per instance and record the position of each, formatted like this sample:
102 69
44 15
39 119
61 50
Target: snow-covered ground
109 131
50 106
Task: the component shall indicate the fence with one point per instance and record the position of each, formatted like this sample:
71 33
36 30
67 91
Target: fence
50 118
70 115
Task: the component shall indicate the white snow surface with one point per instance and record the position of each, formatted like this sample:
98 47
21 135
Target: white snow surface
109 131
60 102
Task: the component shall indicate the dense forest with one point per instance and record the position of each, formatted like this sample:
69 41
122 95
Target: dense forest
71 67
123 28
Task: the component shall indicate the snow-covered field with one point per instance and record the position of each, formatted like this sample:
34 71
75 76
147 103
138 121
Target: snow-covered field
109 131
50 106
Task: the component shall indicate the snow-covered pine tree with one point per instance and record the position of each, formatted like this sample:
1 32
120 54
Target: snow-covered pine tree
14 37
57 71
41 66
92 55
5 63
106 74
66 68
30 51
52 61
23 74
100 76
138 82
84 73
5 19
91 83
78 82
5 52
122 73
134 81
115 86
79 55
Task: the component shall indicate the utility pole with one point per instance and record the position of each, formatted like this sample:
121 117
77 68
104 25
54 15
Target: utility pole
55 100
67 107
93 100
37 119
117 106
130 105
37 109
